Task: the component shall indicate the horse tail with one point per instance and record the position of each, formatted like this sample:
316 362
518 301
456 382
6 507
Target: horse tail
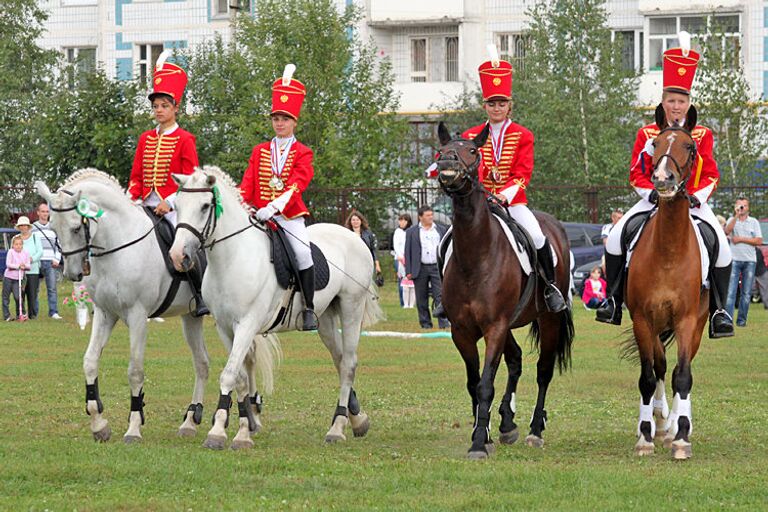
631 352
267 353
373 312
564 339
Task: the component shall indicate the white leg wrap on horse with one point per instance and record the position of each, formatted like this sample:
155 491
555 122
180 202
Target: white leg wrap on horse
646 414
684 410
660 399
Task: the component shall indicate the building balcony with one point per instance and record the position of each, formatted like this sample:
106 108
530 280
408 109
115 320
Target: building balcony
384 13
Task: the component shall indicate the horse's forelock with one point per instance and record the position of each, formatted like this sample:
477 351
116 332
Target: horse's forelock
223 180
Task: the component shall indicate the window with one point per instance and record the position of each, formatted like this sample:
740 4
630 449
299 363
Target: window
82 61
148 55
512 48
223 8
419 60
662 35
220 7
452 59
631 42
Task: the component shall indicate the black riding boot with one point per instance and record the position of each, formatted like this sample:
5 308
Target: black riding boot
195 276
307 278
552 295
614 270
720 322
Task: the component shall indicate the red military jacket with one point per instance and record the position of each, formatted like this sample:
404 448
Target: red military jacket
157 156
295 177
516 163
704 176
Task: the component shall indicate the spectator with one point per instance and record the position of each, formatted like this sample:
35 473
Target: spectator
50 261
421 244
34 248
398 251
761 276
16 262
616 215
744 233
595 289
357 223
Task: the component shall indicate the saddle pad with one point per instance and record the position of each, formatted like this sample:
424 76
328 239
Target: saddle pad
281 252
446 247
704 250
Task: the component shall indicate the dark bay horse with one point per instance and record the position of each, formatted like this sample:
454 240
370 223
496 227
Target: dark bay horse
482 289
666 299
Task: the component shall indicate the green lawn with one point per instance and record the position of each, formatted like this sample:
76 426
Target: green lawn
413 456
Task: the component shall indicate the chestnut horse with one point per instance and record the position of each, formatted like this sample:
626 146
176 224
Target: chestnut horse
486 294
675 305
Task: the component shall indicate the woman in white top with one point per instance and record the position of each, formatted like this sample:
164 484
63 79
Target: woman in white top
398 251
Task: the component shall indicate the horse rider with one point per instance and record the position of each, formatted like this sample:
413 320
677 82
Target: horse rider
679 67
278 172
507 164
165 150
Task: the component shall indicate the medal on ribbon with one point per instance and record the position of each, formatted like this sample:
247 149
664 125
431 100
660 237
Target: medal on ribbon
497 143
278 159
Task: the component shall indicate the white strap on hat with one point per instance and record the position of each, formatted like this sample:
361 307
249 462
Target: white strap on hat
493 53
288 73
685 42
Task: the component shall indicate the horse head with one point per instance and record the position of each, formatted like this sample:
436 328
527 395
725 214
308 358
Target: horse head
458 160
673 158
71 216
196 215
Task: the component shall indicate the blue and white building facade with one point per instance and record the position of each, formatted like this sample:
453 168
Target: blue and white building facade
435 45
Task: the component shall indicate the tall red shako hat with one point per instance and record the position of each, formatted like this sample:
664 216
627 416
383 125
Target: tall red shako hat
495 76
680 66
288 94
169 79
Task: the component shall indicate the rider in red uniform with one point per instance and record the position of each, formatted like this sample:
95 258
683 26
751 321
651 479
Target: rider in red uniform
278 172
675 108
166 150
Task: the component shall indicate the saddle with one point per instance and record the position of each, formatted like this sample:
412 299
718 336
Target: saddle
284 261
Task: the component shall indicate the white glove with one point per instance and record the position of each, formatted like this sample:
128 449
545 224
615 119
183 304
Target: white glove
265 213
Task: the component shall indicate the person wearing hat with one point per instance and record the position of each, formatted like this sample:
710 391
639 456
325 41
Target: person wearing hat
507 163
679 67
278 172
34 247
165 150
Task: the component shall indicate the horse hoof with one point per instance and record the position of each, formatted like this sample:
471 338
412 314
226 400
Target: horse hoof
681 450
103 435
477 455
643 447
361 429
667 443
215 442
132 439
242 444
534 441
490 448
510 437
186 432
334 438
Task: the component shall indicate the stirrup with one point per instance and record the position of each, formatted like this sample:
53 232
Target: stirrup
720 325
610 313
554 299
309 320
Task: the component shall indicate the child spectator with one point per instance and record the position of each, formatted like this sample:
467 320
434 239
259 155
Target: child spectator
594 290
16 262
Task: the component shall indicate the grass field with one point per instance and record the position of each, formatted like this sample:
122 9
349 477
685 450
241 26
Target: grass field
413 456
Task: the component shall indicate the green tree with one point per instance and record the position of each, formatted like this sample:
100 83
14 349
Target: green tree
727 105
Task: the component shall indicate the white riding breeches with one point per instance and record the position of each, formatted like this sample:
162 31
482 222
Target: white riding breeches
153 200
525 217
298 237
703 212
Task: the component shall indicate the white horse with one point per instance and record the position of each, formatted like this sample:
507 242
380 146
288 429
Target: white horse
92 214
242 292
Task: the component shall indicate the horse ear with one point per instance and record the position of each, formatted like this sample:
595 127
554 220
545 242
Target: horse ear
210 179
180 179
691 118
660 117
43 191
482 136
443 134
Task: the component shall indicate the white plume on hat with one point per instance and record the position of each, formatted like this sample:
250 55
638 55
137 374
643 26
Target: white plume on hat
493 53
161 59
685 42
288 73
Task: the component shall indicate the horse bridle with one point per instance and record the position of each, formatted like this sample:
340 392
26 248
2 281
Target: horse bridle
687 165
466 173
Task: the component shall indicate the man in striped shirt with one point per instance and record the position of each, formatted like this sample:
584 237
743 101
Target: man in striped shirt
51 259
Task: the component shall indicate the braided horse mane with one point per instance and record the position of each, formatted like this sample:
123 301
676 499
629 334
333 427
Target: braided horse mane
225 180
90 173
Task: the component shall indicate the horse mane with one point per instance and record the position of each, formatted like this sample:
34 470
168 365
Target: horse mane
224 179
90 173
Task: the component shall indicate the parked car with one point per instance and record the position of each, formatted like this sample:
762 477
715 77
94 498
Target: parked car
586 243
6 234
